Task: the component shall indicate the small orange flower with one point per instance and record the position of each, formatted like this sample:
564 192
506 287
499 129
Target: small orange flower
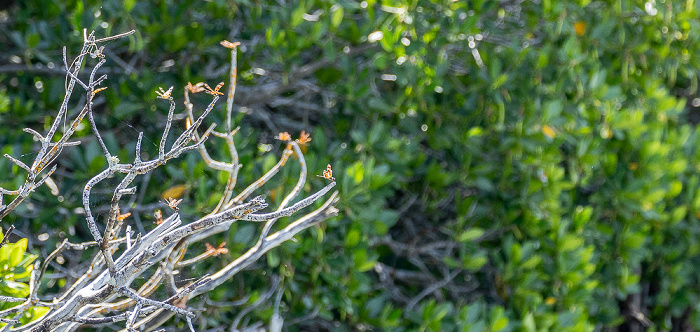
98 90
172 203
304 138
216 251
164 94
327 174
228 44
159 217
199 87
214 91
98 52
284 136
121 216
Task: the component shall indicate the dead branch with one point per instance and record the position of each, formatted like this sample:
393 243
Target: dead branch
103 294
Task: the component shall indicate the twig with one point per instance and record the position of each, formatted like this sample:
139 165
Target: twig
430 289
275 284
7 235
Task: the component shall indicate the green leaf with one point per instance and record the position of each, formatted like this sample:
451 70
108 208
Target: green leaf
4 255
529 323
582 215
356 172
297 16
362 262
353 238
366 266
13 288
33 40
129 5
634 240
33 314
597 79
499 81
78 14
474 263
675 188
499 324
471 234
269 161
16 251
552 110
679 214
531 263
570 242
273 258
337 16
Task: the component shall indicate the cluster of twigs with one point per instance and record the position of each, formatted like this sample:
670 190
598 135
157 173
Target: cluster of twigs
103 294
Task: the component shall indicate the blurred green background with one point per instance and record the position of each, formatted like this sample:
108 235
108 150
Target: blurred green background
503 165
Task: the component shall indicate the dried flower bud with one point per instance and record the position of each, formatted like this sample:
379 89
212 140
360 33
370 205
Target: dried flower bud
327 174
164 94
304 138
284 136
228 44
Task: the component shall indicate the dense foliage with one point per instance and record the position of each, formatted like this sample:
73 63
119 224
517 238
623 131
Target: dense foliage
532 165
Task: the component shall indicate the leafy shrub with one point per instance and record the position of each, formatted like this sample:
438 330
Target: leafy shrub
536 160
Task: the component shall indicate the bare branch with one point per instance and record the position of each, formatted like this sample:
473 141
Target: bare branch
103 294
7 236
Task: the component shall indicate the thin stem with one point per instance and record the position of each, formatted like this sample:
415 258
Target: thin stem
6 237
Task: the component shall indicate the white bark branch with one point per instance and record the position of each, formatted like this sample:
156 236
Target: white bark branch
103 294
